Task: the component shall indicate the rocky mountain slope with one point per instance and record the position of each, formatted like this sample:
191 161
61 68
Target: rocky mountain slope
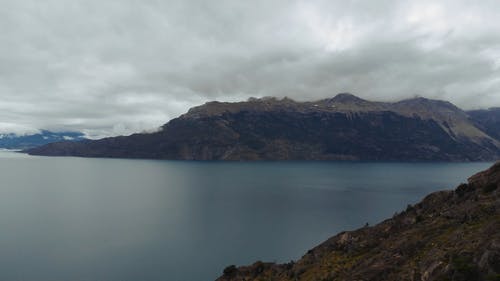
450 235
344 127
13 141
487 120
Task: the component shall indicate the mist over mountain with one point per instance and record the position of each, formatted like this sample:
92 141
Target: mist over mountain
344 127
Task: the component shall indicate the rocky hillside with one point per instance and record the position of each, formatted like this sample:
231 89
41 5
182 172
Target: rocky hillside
450 235
344 127
487 120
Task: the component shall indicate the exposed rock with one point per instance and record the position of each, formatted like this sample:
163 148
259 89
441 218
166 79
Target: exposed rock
450 235
487 120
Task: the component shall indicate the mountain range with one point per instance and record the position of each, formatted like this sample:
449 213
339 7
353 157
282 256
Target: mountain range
15 141
450 235
344 127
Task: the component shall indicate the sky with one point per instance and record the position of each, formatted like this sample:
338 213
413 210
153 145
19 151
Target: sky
107 67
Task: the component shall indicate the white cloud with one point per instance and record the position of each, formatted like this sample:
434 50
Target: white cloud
118 67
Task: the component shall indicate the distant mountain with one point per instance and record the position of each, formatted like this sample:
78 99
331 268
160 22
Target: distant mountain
13 141
449 235
344 127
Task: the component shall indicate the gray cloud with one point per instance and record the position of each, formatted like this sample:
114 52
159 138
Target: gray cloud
117 67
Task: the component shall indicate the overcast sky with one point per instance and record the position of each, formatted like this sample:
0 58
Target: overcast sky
116 67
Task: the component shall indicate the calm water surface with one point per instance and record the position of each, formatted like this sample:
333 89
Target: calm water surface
77 219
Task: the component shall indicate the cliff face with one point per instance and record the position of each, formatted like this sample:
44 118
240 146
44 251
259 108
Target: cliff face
450 235
342 128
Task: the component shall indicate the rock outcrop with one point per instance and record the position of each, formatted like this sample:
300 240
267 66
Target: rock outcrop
450 235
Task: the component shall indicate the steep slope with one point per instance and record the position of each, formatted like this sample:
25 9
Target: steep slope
341 128
488 120
452 119
13 141
450 235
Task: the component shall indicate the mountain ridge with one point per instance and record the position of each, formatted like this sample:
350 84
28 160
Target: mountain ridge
344 127
348 103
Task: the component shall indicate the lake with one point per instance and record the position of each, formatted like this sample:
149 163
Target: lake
78 219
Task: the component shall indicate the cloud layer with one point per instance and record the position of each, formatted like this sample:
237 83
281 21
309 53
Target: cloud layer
117 67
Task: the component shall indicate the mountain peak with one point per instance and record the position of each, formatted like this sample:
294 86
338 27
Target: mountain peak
429 108
452 119
421 101
346 97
